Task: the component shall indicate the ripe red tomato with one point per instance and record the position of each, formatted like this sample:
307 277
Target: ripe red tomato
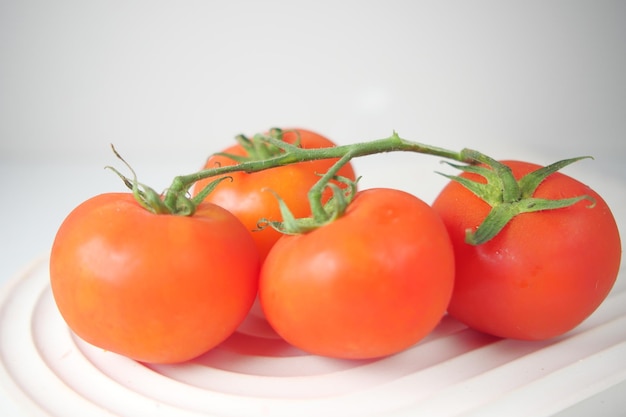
155 288
544 273
248 197
372 283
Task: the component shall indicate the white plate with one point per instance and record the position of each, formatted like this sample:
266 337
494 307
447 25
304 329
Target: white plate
453 372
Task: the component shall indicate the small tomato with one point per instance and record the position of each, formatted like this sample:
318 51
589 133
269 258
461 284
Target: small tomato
369 284
248 195
156 288
544 272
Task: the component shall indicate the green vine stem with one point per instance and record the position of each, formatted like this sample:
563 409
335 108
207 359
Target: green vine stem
321 213
292 154
507 196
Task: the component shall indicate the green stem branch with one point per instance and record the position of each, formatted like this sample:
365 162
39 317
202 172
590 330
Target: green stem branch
293 154
507 196
315 193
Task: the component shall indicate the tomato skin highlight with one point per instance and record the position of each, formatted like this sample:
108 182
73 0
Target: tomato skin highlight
544 273
155 288
370 284
248 195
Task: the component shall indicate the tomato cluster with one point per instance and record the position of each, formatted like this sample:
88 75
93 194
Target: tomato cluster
166 288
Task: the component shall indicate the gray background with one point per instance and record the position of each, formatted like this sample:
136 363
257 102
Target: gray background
167 78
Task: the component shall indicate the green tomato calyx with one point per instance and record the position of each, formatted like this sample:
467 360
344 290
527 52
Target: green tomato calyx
321 213
154 202
262 146
507 196
324 214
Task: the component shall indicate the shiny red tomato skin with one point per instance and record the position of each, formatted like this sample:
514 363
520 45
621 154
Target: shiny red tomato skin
370 284
155 288
249 198
544 273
